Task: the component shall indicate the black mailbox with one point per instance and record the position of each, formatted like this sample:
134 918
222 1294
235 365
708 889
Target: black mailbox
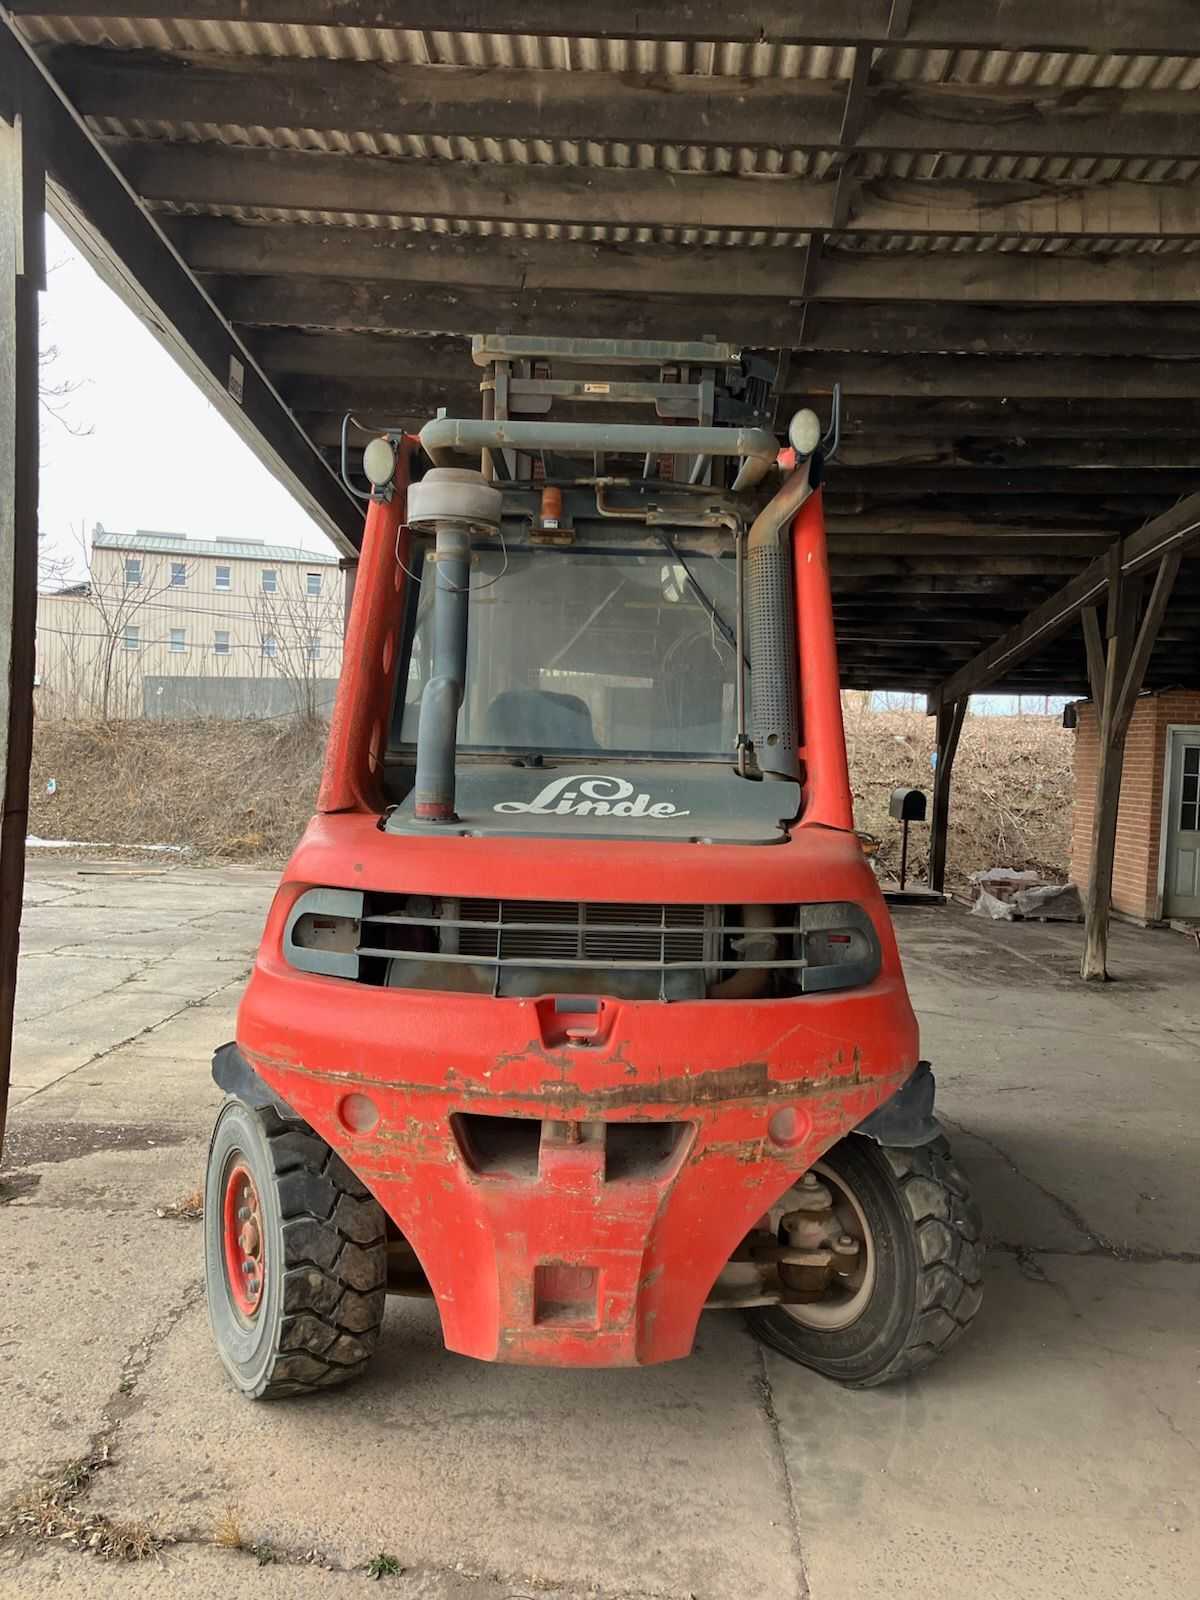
907 805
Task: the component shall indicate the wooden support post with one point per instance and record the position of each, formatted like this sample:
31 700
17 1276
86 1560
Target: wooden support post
949 727
1127 654
22 200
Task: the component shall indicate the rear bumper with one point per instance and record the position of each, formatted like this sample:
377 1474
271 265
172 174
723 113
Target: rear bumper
566 1256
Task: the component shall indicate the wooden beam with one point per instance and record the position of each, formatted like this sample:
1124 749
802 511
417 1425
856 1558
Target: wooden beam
949 727
426 303
403 99
996 378
1094 644
1178 528
1148 632
224 245
1099 422
1018 395
1017 454
1134 27
1121 619
221 176
89 198
22 275
1014 480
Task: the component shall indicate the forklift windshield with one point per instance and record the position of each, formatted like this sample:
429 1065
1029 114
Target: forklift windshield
575 652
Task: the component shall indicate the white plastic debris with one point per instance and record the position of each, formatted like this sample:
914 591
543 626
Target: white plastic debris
991 905
1057 902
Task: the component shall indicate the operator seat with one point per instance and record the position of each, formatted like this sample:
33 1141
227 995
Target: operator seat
539 719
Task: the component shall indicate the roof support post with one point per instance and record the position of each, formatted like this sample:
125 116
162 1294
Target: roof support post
1127 653
949 727
22 274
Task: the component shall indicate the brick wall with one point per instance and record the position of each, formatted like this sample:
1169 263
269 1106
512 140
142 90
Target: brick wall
1139 813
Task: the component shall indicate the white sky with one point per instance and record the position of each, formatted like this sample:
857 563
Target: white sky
158 456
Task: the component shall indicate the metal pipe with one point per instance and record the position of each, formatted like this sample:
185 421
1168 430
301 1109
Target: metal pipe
452 504
739 590
447 437
773 686
443 693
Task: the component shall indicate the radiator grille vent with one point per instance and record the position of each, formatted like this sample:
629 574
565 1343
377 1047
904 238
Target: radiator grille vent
541 930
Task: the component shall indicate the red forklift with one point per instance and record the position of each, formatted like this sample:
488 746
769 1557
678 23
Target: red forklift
578 1007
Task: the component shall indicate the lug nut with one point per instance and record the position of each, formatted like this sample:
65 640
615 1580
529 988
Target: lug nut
847 1243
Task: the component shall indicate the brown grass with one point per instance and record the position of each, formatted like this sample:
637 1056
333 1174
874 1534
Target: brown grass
229 791
51 1511
189 1209
1010 801
243 791
227 1530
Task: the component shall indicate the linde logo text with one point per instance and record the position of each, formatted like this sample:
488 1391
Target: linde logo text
581 796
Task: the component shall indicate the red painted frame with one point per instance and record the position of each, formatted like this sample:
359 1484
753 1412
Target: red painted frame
640 1255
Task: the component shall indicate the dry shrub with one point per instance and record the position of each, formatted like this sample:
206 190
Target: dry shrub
244 791
1010 800
234 791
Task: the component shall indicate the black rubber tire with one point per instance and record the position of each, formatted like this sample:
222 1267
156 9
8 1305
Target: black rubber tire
928 1268
324 1259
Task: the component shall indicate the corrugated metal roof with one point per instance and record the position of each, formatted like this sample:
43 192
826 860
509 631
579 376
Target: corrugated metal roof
989 69
235 549
999 68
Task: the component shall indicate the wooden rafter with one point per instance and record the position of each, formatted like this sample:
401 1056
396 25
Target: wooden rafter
1144 27
218 175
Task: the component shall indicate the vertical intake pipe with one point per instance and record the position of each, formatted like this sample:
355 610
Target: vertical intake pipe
775 725
452 504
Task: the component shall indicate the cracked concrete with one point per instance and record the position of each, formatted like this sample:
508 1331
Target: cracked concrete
1052 1454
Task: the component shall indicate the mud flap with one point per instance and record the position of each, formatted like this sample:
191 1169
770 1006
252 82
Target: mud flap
234 1074
906 1120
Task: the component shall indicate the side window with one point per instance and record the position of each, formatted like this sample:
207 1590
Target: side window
133 571
179 574
269 580
221 642
133 636
222 578
270 647
178 641
312 583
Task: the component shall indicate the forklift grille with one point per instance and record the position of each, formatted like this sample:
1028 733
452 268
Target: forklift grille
538 930
535 947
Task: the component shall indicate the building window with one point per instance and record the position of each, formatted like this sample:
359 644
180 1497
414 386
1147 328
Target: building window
312 582
313 651
269 580
179 574
133 571
270 648
1189 805
221 639
133 636
178 641
222 578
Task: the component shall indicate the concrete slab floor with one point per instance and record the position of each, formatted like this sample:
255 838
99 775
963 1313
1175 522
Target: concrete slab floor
1054 1453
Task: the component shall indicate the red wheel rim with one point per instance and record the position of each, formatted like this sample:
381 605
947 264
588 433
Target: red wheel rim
242 1229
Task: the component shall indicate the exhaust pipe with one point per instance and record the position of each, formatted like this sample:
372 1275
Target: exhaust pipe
452 504
775 719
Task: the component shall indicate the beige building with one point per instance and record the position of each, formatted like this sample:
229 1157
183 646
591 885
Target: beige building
168 625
